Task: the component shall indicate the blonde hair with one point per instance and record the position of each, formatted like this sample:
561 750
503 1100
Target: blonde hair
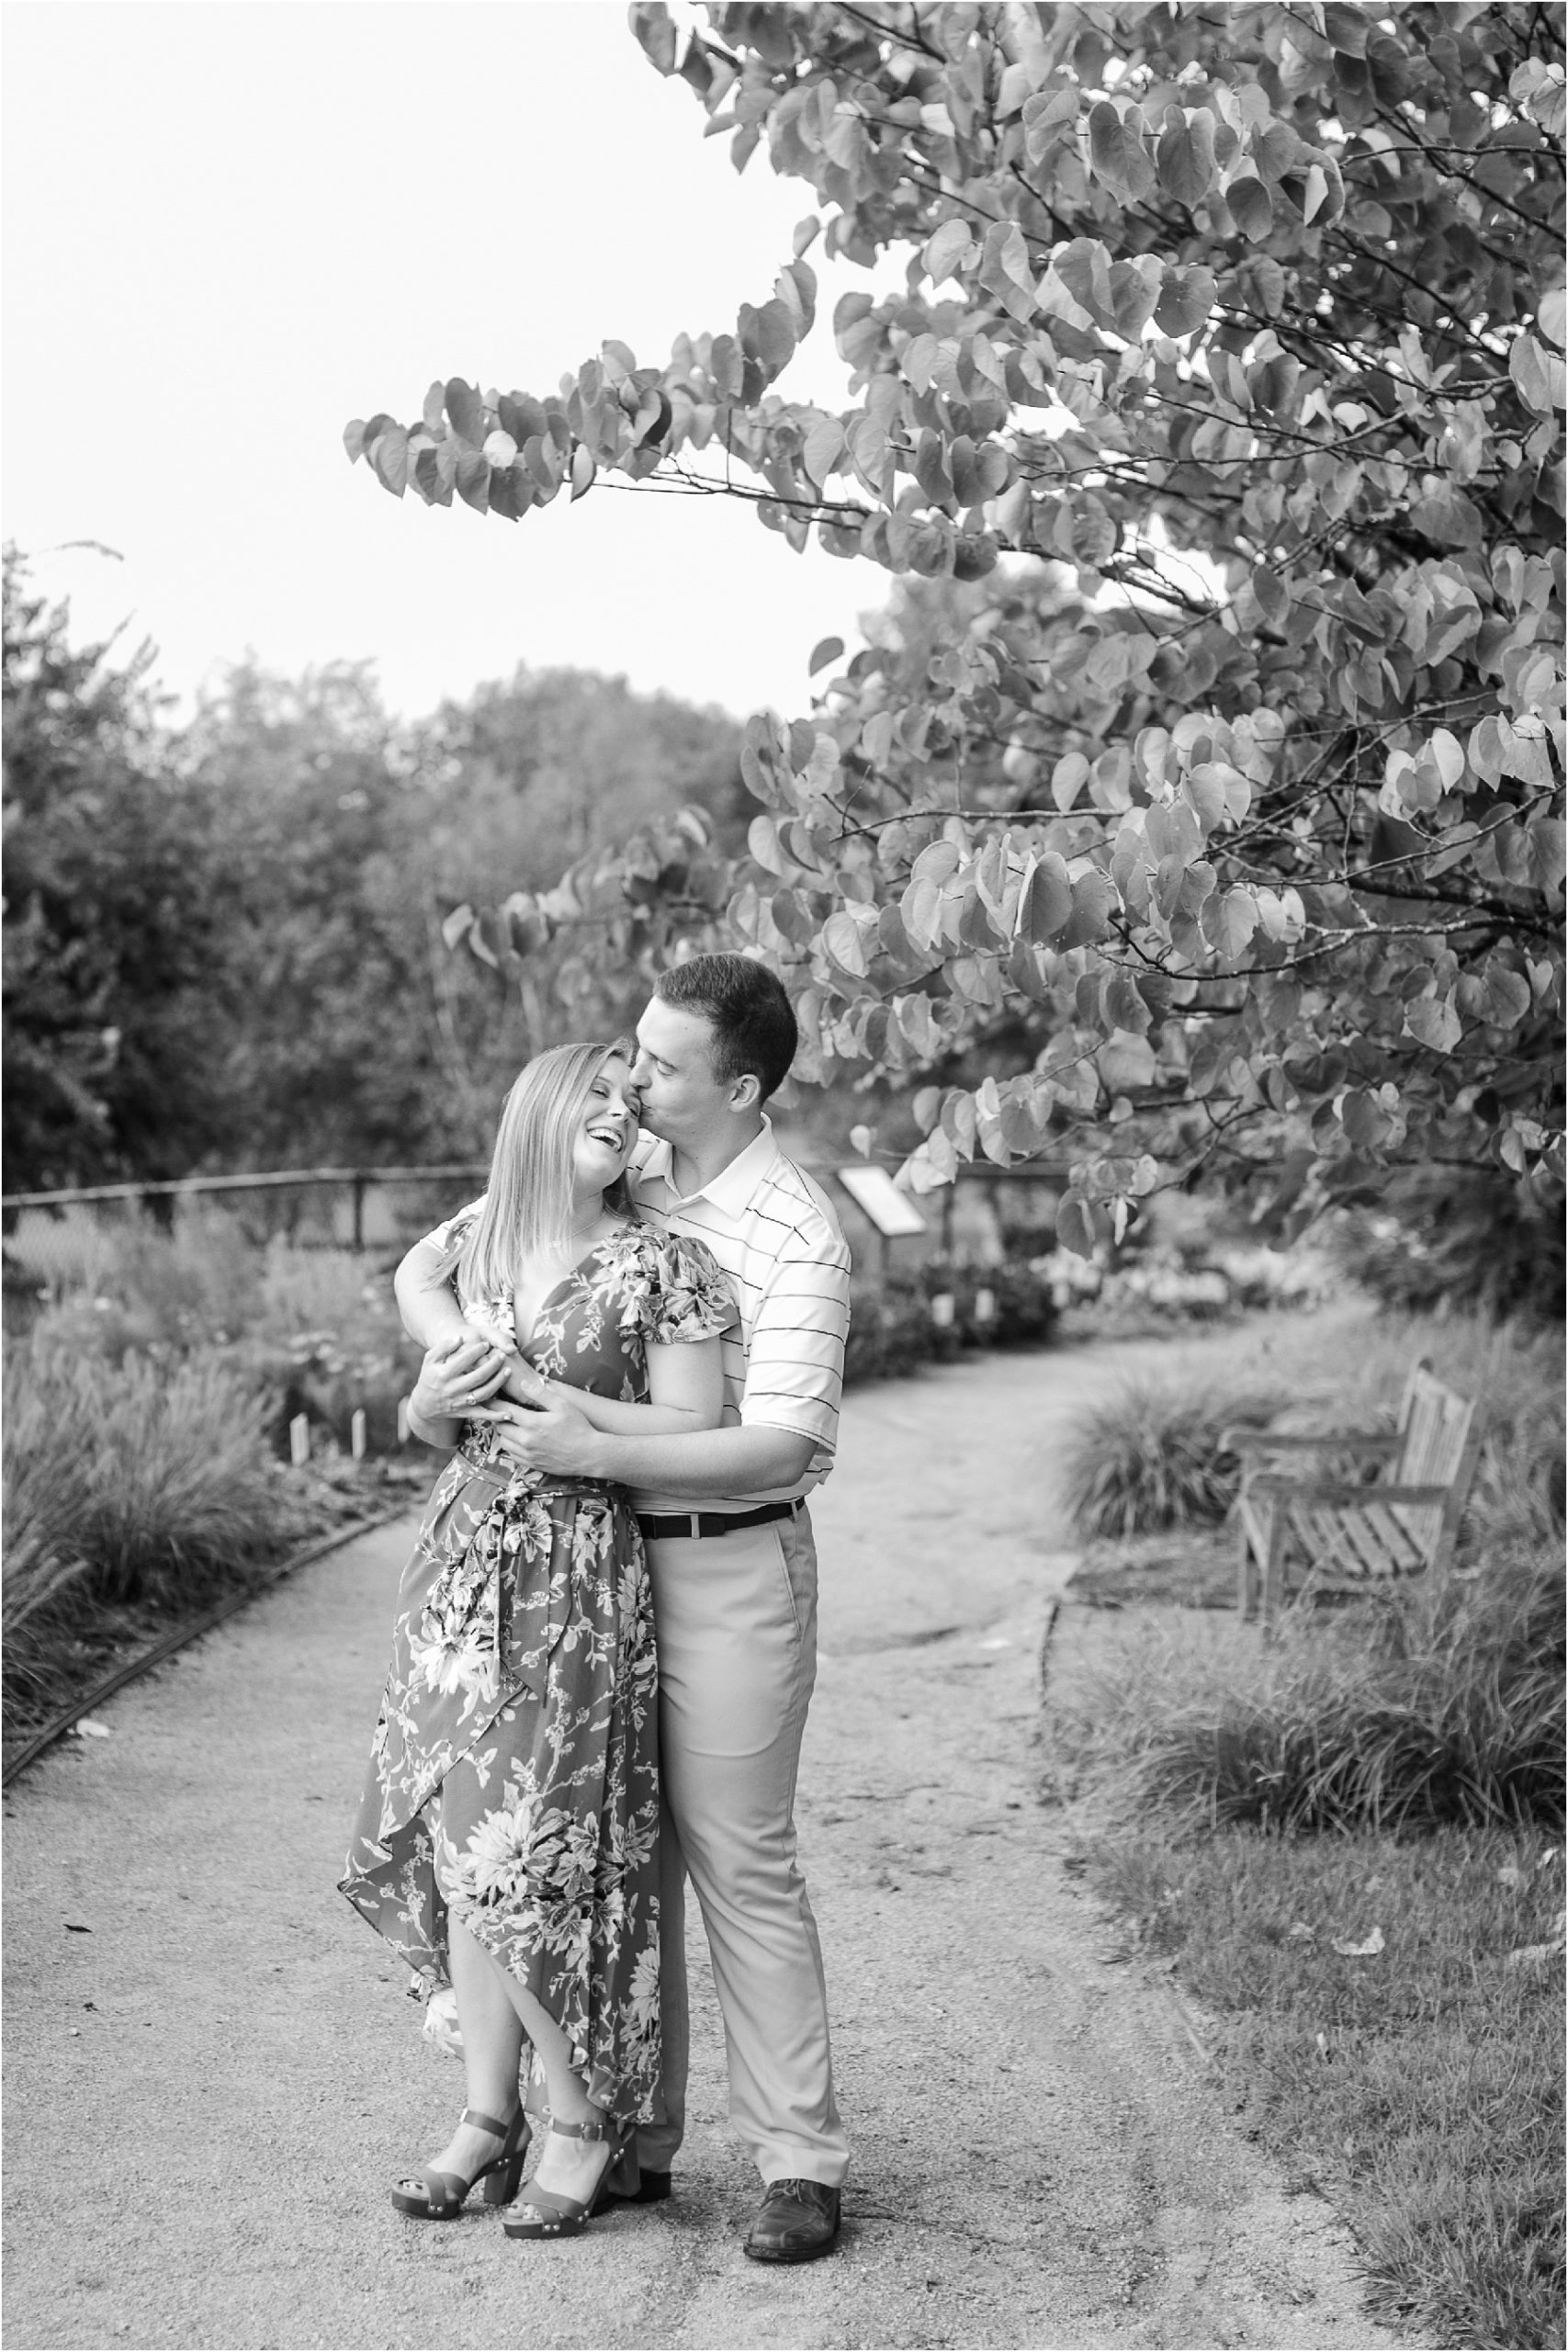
527 1210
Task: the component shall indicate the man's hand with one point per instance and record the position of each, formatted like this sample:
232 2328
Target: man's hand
558 1438
458 1375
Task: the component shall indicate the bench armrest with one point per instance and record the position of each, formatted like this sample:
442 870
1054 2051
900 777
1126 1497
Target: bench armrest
1333 1491
1246 1441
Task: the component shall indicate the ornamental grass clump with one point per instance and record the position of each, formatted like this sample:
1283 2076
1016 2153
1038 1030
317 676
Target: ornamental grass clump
1148 1456
131 1486
1431 1705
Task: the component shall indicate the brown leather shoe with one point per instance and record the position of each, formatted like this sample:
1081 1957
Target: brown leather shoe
796 2221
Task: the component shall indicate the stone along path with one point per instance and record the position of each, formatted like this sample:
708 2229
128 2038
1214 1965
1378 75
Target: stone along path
210 2088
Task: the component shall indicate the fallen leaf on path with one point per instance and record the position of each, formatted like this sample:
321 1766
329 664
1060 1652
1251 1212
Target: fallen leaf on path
91 1728
1349 1950
73 1929
1298 1932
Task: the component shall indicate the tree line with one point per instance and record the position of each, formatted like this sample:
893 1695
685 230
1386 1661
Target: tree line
223 945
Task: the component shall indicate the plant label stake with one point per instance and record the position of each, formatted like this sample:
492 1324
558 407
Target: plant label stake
402 1420
357 1434
299 1440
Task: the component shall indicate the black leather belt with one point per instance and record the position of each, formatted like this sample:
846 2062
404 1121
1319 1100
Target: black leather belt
659 1525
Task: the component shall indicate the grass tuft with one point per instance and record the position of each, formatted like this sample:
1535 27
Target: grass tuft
1148 1456
1425 1707
129 1485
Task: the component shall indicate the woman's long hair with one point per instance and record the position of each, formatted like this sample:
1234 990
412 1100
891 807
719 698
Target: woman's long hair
527 1210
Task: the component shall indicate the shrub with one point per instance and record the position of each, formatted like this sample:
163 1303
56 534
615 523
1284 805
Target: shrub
892 1332
1443 1238
127 1485
316 1329
132 1284
1148 1456
328 1343
1438 1703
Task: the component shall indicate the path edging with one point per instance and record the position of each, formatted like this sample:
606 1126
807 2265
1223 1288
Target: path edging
180 1638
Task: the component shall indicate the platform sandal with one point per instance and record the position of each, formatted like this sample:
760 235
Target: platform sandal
442 2194
544 2212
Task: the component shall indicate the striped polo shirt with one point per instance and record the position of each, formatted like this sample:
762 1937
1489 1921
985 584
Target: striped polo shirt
774 1234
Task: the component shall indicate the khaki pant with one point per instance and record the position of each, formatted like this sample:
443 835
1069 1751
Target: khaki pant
736 1617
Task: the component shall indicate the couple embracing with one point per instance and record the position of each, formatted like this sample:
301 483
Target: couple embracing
606 1638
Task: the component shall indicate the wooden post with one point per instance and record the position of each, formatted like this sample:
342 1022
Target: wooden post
299 1440
1248 1576
357 1434
358 1244
1274 1570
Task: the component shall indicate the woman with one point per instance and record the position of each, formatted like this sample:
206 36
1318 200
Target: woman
506 1843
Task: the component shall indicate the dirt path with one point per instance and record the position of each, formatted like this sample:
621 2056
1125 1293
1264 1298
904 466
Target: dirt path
207 2092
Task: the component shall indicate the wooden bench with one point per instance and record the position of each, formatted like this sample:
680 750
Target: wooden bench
1355 1537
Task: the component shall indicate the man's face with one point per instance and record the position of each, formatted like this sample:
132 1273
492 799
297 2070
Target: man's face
682 1100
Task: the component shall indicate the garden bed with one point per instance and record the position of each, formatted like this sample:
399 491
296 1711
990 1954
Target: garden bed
147 1459
151 1386
1346 1845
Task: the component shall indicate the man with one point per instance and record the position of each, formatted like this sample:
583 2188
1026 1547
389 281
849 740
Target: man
734 1572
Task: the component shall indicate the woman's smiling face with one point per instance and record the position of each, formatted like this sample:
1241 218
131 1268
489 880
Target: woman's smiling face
607 1128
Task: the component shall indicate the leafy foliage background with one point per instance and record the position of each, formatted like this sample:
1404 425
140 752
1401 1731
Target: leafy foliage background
223 941
1210 811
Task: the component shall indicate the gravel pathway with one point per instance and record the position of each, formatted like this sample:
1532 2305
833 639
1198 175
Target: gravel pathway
213 2072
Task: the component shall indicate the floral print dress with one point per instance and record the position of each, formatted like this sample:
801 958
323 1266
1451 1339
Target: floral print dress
514 1783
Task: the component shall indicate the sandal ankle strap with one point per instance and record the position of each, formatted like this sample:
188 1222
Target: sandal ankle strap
491 2123
604 2130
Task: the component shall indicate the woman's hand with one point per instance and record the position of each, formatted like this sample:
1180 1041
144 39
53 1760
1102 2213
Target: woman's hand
523 1385
458 1375
556 1437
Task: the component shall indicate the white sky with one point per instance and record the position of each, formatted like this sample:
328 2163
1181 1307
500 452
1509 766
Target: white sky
231 225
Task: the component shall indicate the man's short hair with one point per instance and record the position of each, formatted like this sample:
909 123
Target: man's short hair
753 1021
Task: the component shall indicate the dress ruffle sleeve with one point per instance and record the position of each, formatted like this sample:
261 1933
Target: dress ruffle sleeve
454 1228
689 1298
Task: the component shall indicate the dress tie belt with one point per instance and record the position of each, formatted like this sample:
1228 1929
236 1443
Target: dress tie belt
481 1535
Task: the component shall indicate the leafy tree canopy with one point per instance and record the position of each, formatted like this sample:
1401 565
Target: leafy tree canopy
223 942
110 945
1228 826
